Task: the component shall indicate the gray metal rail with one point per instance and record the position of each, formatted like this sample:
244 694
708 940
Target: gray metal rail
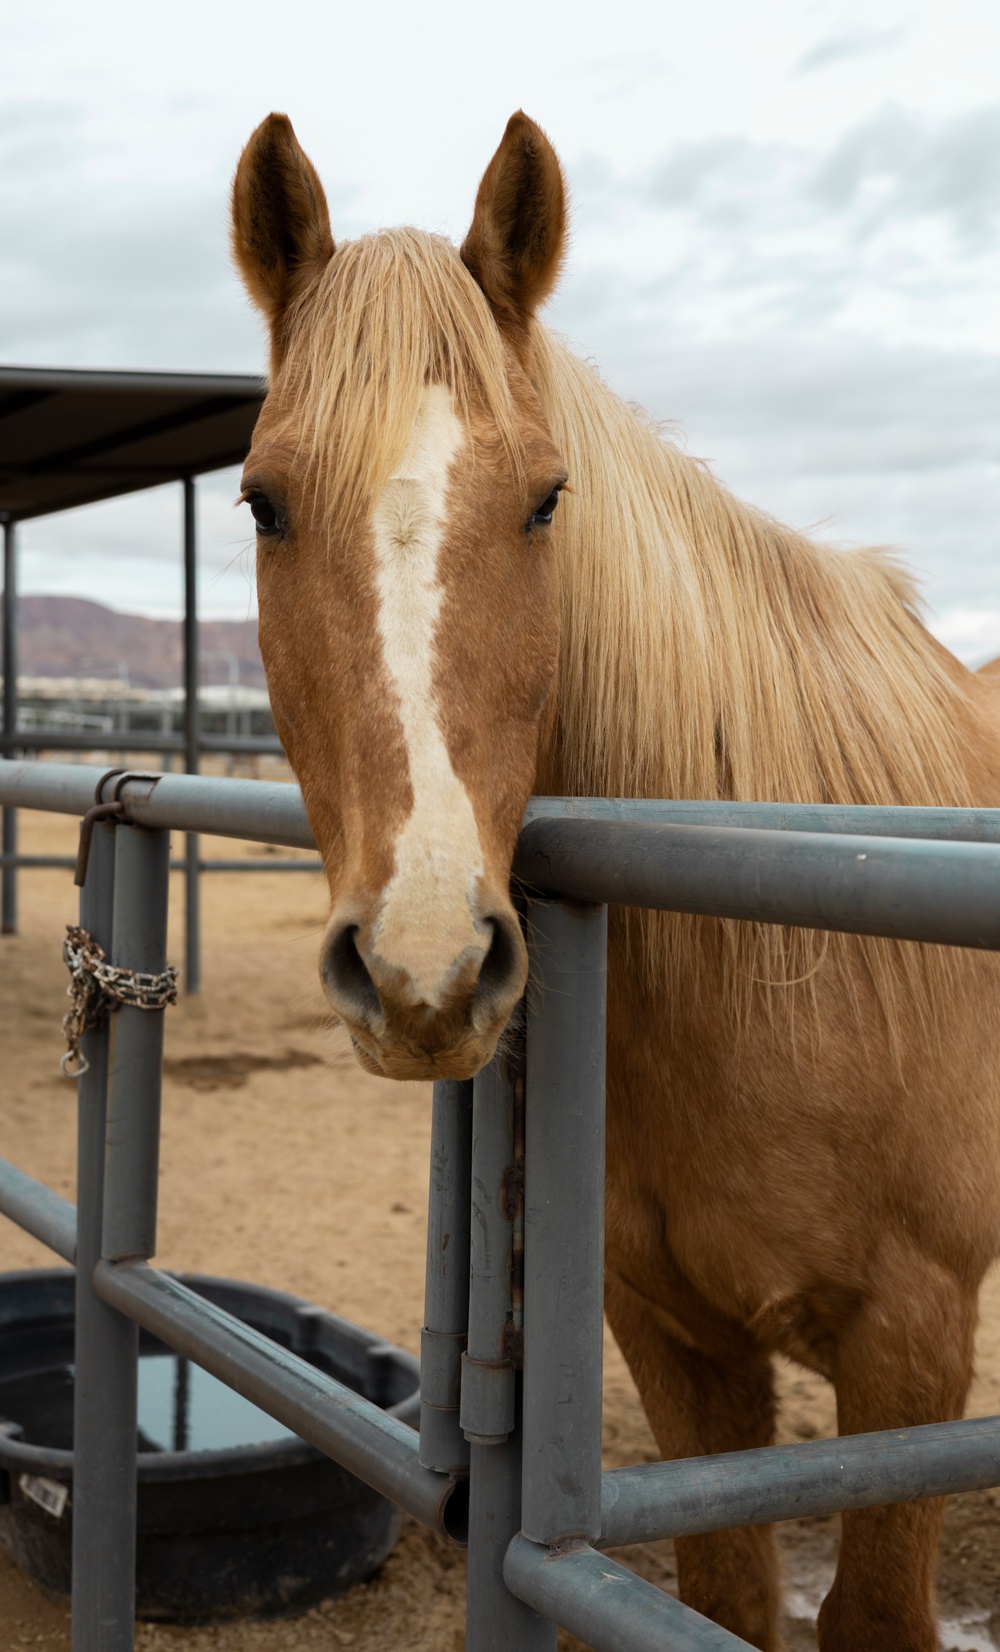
361 1436
106 1343
268 811
911 891
67 863
751 1488
517 1182
607 1605
40 1211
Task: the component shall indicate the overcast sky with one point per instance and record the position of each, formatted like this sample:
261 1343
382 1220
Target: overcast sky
786 235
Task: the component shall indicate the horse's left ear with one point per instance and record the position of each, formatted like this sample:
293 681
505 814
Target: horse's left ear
515 246
281 224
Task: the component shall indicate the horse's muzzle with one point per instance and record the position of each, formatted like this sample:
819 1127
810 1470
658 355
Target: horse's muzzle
400 1034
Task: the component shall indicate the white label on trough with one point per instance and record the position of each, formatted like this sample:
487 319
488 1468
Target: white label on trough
48 1494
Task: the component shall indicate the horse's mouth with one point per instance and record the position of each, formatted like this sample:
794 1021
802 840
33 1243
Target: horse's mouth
406 1063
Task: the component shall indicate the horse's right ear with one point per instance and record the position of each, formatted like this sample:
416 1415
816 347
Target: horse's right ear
281 225
515 245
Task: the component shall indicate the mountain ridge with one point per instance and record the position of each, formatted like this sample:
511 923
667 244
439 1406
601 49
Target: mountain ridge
76 637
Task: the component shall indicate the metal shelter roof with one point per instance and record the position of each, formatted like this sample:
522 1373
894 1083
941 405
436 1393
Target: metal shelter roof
71 437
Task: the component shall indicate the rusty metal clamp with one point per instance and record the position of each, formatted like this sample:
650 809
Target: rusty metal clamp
105 811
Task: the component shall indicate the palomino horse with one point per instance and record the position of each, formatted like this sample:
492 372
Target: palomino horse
481 575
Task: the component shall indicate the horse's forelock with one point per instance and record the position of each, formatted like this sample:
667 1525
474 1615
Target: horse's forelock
390 314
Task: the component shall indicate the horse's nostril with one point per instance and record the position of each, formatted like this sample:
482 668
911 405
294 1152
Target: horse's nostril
502 968
347 979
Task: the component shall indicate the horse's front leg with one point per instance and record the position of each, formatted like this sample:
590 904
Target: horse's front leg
697 1404
906 1359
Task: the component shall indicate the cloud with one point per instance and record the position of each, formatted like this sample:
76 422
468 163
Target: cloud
894 166
102 267
890 166
823 322
839 48
855 442
824 327
892 230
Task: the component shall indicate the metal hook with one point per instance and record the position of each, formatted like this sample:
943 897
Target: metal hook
105 811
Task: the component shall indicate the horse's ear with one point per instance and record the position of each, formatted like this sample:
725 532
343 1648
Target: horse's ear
515 245
281 225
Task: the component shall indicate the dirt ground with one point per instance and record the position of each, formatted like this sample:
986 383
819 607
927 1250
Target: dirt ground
283 1163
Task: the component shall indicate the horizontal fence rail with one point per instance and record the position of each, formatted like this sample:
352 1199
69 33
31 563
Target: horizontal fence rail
267 811
264 811
361 1437
866 819
604 1603
135 739
40 1211
751 1488
67 863
947 892
525 1182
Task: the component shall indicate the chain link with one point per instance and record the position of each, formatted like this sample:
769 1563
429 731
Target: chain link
97 988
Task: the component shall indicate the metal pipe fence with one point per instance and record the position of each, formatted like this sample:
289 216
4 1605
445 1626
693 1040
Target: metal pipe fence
507 1456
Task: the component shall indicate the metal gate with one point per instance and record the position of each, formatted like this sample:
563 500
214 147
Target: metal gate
508 1454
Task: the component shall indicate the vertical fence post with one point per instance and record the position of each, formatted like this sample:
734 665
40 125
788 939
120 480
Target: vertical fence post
443 1339
495 1621
118 1167
132 1156
192 873
564 1222
8 875
106 1348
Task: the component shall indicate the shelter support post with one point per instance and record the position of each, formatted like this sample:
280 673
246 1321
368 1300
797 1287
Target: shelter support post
106 1347
8 877
192 870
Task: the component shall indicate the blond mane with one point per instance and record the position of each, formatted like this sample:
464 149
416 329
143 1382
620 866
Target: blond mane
710 652
707 651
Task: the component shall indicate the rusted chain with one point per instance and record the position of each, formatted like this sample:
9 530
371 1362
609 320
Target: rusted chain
97 988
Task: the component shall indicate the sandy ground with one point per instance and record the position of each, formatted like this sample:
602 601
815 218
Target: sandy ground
283 1163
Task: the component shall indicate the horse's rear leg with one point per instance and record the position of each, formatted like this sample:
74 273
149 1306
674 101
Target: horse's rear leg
697 1405
906 1360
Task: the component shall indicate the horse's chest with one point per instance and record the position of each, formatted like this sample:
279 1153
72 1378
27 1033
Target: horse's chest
710 1210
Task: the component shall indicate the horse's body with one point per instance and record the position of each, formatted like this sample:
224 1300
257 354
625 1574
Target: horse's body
803 1130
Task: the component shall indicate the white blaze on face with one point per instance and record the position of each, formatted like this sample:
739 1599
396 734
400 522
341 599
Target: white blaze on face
427 923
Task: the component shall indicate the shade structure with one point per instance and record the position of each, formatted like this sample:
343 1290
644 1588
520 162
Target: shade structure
72 437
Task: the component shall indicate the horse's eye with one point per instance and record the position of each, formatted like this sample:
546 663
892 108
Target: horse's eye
263 513
541 517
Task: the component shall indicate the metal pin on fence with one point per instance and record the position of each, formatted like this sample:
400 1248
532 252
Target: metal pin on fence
443 1446
496 1621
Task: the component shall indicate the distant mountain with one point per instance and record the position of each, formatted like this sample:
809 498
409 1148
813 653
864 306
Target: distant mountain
70 637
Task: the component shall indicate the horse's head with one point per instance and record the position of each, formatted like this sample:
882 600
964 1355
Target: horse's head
402 478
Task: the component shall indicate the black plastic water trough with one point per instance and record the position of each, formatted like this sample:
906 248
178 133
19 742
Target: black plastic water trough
237 1516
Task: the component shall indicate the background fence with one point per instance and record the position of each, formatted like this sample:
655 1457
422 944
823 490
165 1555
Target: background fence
507 1457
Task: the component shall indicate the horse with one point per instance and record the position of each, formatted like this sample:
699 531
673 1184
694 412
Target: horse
481 575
